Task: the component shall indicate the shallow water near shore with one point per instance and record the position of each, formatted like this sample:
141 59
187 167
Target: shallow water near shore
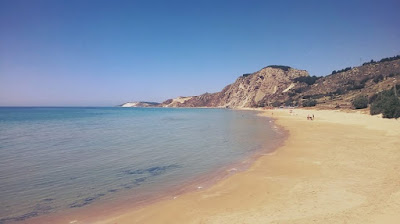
67 159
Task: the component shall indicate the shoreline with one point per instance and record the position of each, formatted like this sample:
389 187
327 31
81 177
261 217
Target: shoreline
94 213
341 167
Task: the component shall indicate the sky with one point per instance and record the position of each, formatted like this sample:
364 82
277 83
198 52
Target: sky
105 53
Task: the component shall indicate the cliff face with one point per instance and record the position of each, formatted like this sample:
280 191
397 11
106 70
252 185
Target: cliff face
140 104
281 85
250 90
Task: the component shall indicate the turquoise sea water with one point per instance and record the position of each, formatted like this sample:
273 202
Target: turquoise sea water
57 159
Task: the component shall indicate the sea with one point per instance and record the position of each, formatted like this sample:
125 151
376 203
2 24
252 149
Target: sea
57 160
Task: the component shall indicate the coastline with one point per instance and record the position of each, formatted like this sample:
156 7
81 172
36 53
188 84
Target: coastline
115 207
341 167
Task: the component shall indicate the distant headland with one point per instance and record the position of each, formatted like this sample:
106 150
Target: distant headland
277 85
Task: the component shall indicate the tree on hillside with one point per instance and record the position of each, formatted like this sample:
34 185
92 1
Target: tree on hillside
386 102
309 103
360 102
309 80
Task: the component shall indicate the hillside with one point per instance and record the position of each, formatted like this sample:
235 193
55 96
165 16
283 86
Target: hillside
339 89
282 85
250 90
140 104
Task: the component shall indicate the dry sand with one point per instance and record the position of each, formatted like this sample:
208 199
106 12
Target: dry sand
339 168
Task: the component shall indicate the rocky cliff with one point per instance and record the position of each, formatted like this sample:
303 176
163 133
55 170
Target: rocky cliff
282 85
140 104
250 90
285 86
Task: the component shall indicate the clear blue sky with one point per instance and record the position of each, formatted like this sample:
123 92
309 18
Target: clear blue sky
99 53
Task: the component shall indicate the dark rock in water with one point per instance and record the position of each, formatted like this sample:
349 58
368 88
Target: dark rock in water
4 220
25 216
89 199
141 175
39 209
43 208
85 201
140 180
157 170
153 171
127 186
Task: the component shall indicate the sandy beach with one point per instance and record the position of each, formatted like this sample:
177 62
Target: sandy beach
339 168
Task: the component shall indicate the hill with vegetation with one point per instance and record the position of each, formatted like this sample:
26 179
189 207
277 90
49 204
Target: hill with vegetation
374 85
277 85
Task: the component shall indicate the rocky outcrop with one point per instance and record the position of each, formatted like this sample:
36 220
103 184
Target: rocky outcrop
140 104
250 90
282 85
177 102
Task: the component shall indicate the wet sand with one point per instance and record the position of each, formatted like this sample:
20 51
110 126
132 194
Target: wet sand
339 168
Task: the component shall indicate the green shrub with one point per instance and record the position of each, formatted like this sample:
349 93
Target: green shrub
360 102
260 104
353 84
289 102
283 67
364 80
355 87
378 78
309 80
276 104
339 71
315 96
339 91
387 103
372 98
300 90
309 103
383 60
390 58
370 62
